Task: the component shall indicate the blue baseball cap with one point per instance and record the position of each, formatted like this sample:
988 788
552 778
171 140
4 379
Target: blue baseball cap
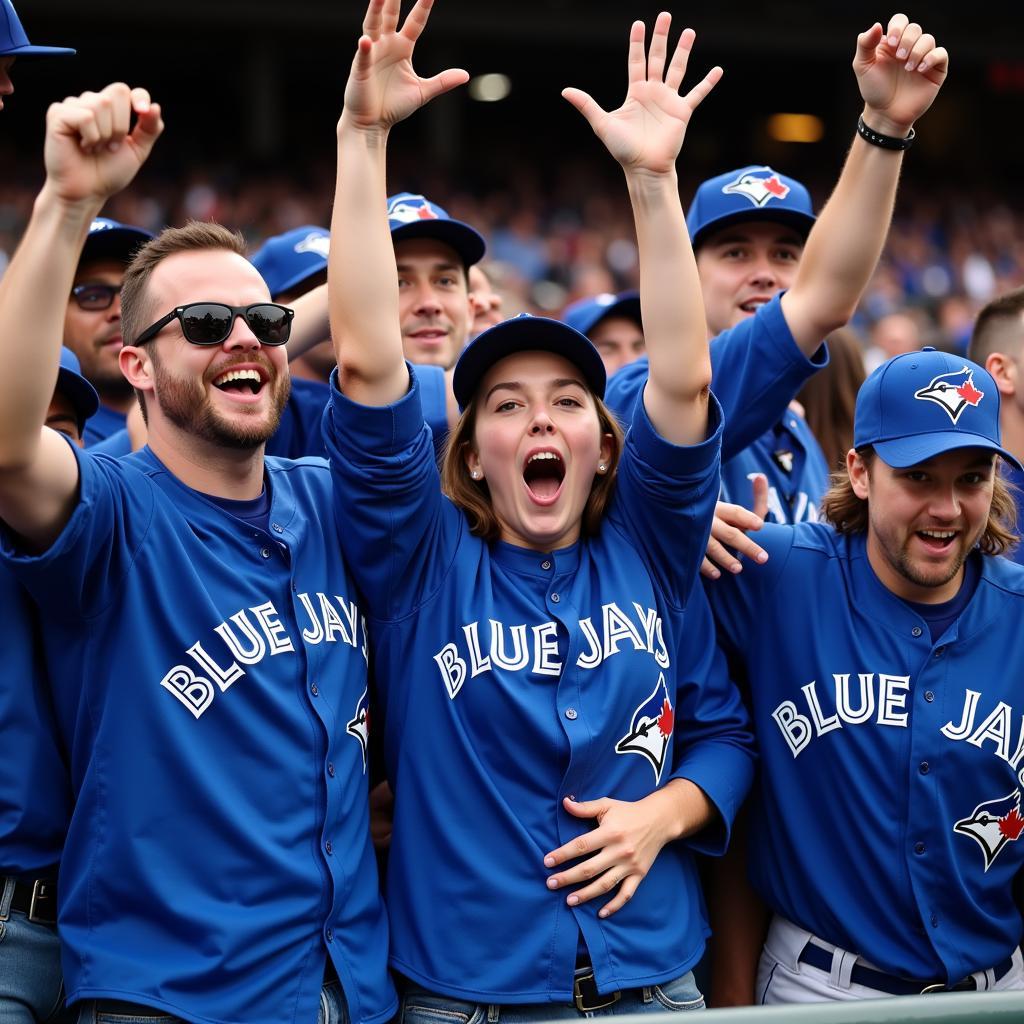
111 240
525 333
751 193
79 392
413 216
920 404
289 259
14 42
585 314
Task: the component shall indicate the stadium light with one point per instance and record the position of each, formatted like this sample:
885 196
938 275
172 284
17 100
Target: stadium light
795 128
489 88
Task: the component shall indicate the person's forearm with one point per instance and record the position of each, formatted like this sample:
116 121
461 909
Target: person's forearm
312 323
846 242
672 307
362 281
34 294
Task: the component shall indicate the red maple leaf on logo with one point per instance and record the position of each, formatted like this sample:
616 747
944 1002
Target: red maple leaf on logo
969 393
776 187
667 718
1012 825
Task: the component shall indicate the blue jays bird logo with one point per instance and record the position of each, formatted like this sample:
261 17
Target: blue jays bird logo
408 209
360 724
953 392
994 824
315 242
650 731
760 186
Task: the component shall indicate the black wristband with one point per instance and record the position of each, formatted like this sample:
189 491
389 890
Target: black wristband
883 141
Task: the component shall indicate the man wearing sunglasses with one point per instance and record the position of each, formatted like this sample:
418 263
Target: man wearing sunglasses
92 322
205 643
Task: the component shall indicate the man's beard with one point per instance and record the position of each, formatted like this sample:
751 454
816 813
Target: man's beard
186 404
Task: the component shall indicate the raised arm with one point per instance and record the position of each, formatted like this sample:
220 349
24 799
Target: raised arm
382 90
645 135
91 153
899 76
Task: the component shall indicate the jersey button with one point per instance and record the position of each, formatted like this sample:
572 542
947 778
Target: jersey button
315 690
571 713
545 564
918 848
329 934
935 920
929 696
916 631
555 598
329 847
924 768
330 769
265 552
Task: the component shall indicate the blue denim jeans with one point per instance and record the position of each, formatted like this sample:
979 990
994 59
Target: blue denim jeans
31 988
333 1010
422 1007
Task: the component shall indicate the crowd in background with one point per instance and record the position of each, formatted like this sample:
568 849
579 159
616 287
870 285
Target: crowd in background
550 242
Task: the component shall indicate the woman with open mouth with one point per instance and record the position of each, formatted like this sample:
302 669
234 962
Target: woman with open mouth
559 731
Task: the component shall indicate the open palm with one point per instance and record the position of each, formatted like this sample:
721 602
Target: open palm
647 131
383 87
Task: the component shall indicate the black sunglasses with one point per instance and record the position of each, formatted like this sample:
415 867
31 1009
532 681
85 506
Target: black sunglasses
209 323
95 297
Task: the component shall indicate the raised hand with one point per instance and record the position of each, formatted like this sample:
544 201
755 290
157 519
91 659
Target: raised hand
91 151
383 87
899 74
646 132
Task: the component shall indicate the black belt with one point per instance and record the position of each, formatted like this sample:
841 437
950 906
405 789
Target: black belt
585 994
816 956
36 898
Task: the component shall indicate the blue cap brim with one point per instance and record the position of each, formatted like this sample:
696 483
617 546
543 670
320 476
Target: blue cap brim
800 222
526 334
79 392
902 452
467 242
627 306
22 52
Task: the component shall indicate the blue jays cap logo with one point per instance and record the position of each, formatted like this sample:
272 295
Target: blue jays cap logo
650 731
408 209
994 824
316 243
953 392
760 187
359 726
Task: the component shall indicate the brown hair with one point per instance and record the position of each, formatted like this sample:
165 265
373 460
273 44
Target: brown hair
849 514
998 328
830 397
474 496
136 308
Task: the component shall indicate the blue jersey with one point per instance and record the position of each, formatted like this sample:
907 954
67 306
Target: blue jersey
511 678
104 422
210 684
35 794
756 370
891 766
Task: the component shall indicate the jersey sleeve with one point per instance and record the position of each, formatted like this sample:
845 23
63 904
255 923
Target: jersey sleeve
756 370
737 600
80 573
116 446
398 531
714 747
665 498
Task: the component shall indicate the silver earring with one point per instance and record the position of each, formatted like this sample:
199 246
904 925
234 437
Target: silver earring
475 474
601 467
